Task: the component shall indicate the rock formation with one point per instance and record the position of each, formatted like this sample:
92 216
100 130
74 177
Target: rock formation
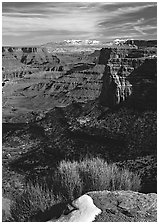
115 88
144 84
111 75
62 106
112 206
80 210
19 61
119 79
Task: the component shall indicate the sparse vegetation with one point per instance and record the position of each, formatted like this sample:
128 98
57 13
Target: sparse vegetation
95 174
59 142
34 199
99 175
68 180
71 180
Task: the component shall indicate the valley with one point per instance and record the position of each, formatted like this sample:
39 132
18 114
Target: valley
71 104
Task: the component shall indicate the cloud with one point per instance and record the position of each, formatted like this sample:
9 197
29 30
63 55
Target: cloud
63 20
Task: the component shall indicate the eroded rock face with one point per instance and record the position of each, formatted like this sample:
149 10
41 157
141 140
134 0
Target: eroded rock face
144 83
112 206
115 88
19 61
112 76
126 69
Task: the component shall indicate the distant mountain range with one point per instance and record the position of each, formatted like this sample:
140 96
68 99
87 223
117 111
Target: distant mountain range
82 42
85 44
116 42
75 43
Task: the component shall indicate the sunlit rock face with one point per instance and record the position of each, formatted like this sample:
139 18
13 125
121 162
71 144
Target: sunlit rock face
19 61
111 206
110 76
125 206
115 88
81 210
125 71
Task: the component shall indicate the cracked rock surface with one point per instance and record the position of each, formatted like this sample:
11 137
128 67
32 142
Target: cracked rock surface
112 206
125 206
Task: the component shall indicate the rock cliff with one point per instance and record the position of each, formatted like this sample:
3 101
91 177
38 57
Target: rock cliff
112 75
19 61
123 70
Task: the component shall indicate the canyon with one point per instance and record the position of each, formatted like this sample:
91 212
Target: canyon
69 104
39 79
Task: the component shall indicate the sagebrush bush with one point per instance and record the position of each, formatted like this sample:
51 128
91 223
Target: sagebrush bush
97 174
71 180
94 174
33 199
67 180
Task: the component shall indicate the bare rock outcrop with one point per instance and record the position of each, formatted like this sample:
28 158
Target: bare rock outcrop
115 88
111 206
126 72
80 210
125 206
17 59
144 83
112 75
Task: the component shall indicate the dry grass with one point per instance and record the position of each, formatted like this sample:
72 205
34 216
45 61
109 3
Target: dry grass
32 200
68 181
77 178
99 175
71 180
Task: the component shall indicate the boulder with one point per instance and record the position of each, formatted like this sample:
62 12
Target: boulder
111 206
80 210
125 206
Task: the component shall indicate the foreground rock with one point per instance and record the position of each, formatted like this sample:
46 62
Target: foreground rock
81 210
125 206
116 206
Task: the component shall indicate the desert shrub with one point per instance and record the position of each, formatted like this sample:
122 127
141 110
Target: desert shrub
97 174
93 174
32 200
71 180
125 180
75 178
67 180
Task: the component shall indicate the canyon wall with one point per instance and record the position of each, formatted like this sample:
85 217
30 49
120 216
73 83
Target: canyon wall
111 75
19 61
126 74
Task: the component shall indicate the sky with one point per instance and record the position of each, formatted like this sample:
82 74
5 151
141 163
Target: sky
33 23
